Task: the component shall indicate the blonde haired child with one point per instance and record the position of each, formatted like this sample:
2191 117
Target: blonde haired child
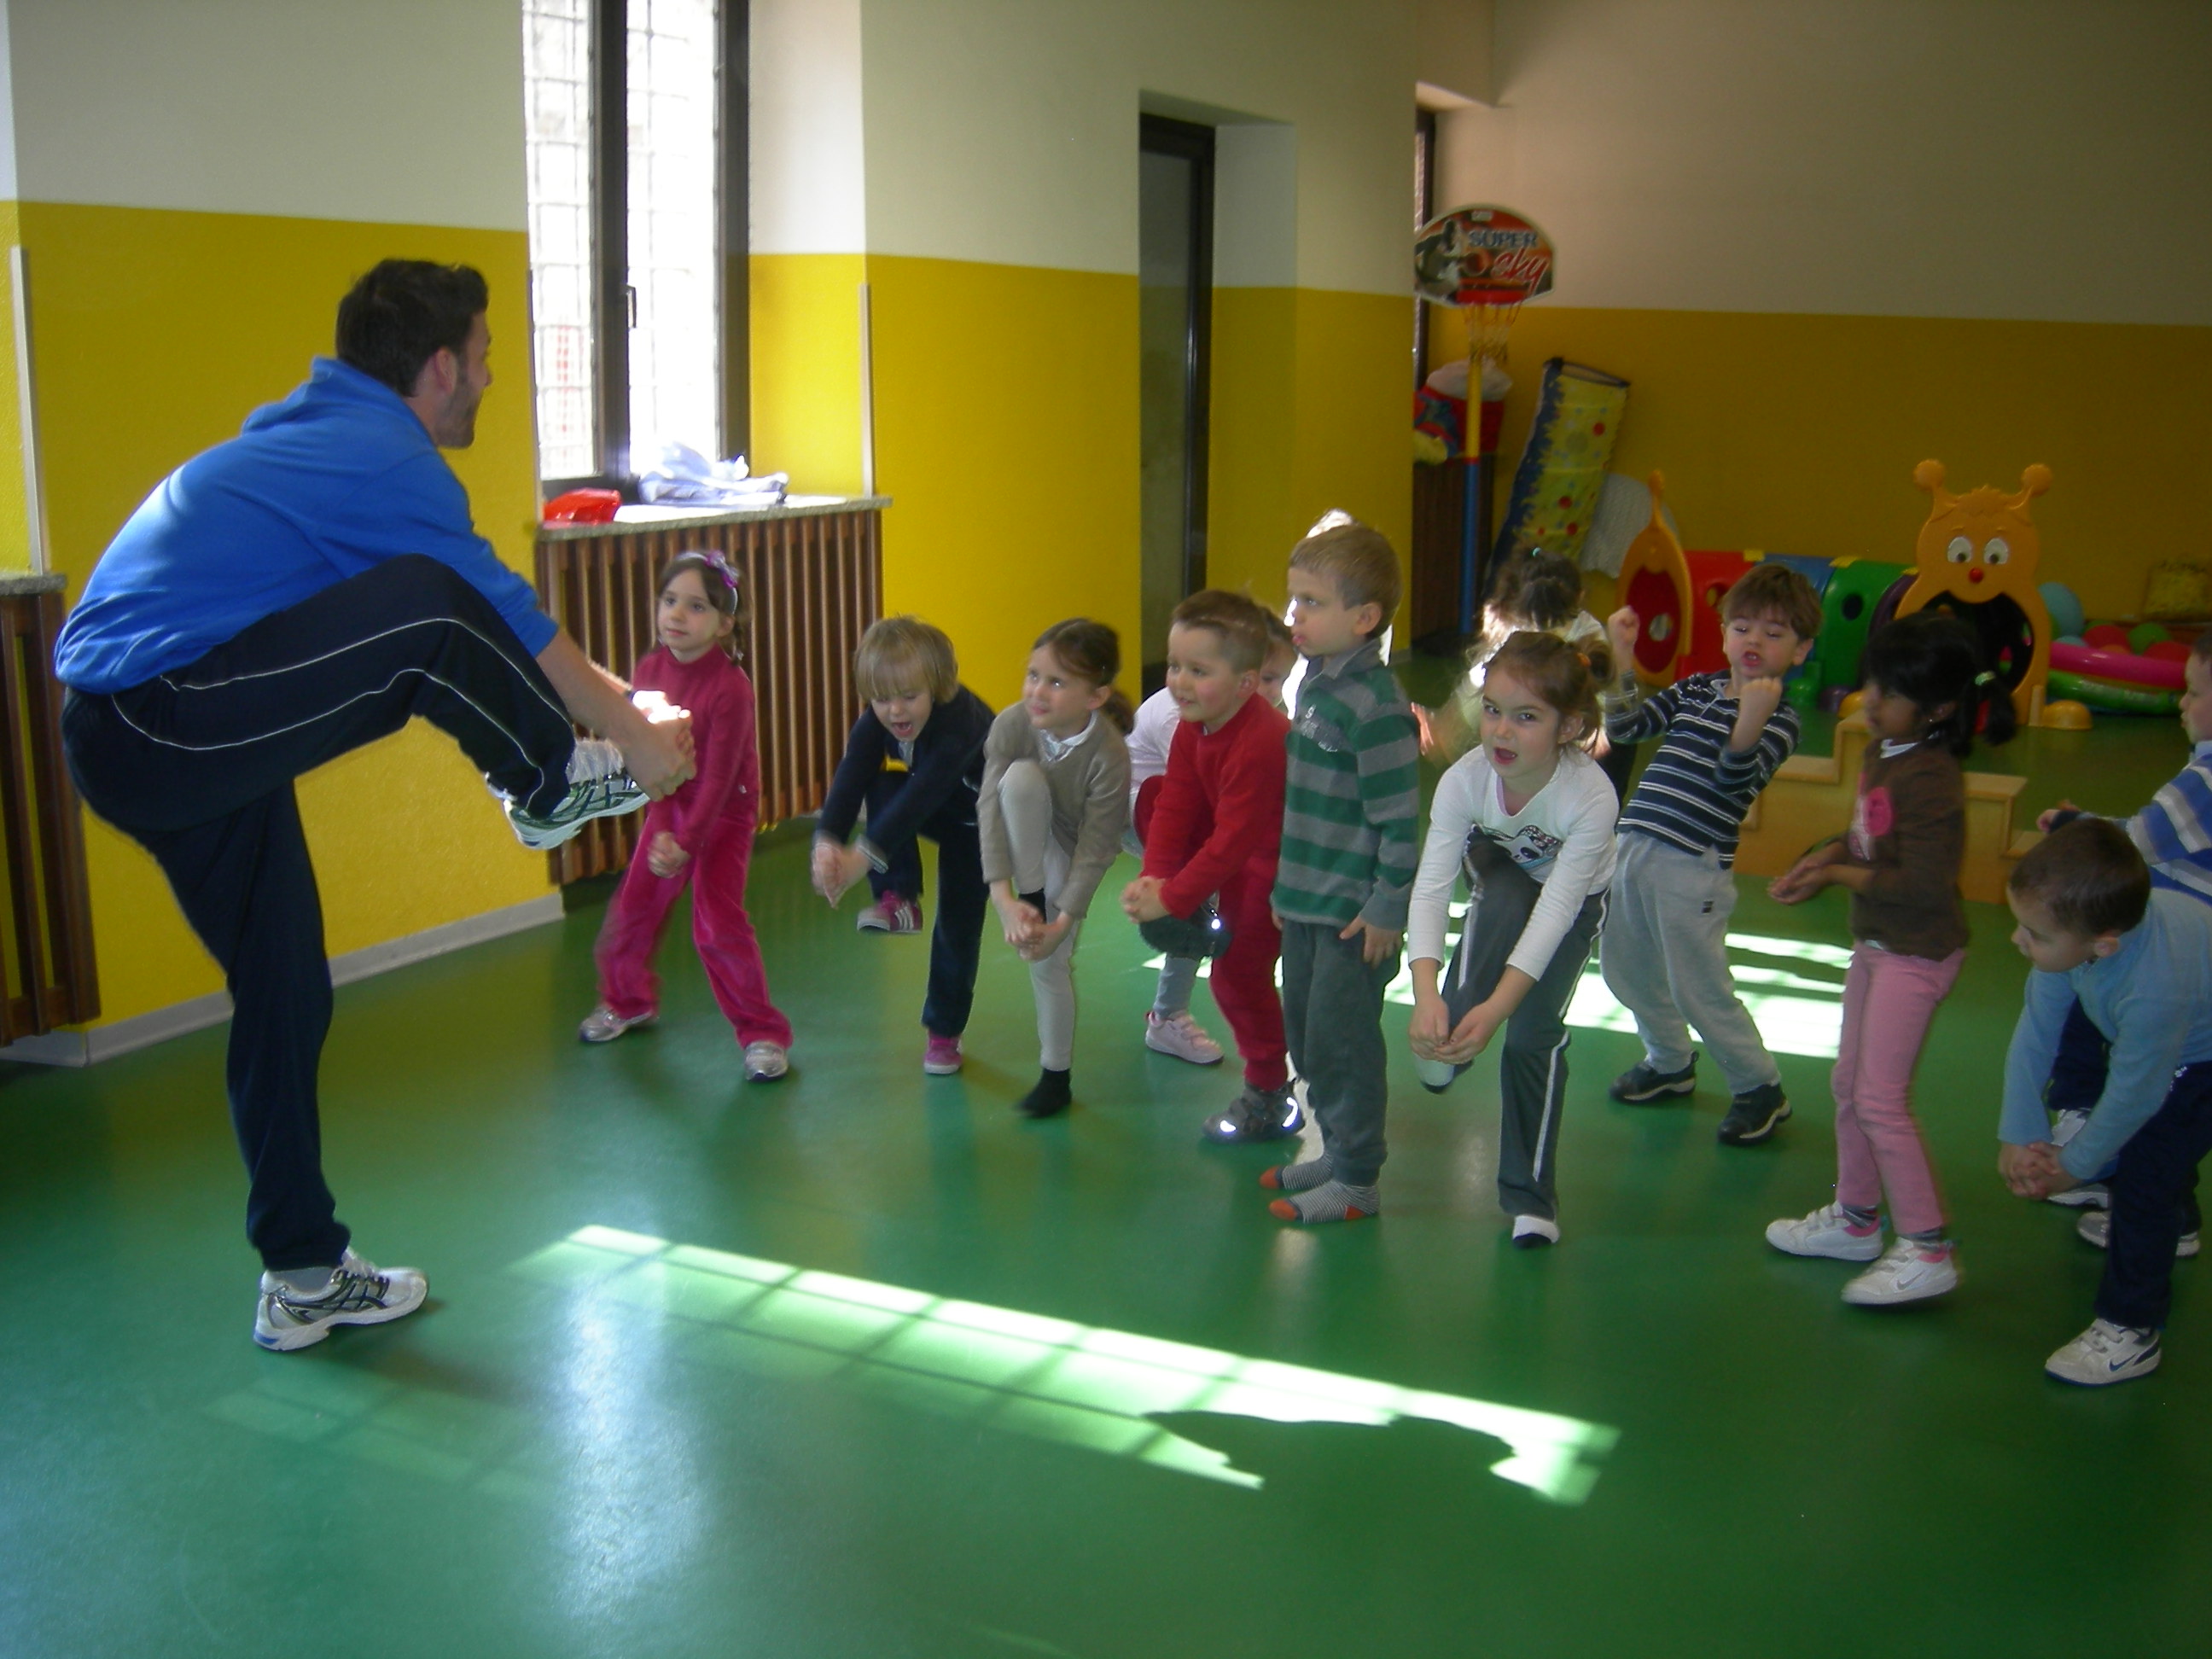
913 762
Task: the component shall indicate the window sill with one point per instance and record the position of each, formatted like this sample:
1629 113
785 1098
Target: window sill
661 517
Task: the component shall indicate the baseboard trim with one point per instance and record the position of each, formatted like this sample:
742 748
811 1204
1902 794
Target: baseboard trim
91 1045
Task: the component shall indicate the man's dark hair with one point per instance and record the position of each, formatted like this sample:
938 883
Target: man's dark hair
403 313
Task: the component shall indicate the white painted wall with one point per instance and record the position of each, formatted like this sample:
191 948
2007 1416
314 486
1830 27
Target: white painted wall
808 180
2029 159
7 113
1005 131
403 111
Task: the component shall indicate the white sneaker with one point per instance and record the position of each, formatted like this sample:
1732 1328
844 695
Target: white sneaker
1825 1232
2097 1228
360 1293
1180 1037
766 1061
604 1024
1909 1272
2105 1354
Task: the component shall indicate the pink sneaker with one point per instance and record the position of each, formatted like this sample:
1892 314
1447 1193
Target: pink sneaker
942 1057
1182 1038
890 915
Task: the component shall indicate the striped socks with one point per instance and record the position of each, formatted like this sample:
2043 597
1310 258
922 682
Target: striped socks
1297 1177
1332 1200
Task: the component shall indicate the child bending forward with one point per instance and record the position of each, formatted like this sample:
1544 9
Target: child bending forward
1528 815
1055 800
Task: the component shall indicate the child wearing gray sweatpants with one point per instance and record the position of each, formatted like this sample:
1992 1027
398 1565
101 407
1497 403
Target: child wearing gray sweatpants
1722 737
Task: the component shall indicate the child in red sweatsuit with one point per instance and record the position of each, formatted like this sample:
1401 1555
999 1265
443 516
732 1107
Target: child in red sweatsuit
1216 833
702 834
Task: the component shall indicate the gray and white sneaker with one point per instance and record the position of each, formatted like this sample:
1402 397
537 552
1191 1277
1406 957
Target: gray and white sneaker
1256 1114
2105 1353
360 1293
766 1061
604 1024
2096 1227
598 787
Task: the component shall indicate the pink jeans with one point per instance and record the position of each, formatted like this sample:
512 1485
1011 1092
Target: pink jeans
1887 1003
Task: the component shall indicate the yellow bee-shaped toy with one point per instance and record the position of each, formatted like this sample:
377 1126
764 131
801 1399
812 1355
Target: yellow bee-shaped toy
1976 558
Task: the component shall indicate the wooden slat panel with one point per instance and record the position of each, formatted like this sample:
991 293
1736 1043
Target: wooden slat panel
813 585
49 906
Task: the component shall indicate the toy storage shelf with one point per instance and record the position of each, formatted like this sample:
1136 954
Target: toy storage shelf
812 574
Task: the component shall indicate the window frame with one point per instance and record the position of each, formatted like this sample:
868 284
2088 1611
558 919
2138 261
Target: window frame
614 299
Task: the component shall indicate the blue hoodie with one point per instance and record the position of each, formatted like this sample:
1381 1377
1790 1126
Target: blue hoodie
336 478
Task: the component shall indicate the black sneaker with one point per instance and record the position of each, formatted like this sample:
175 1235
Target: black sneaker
1753 1116
1254 1116
1642 1081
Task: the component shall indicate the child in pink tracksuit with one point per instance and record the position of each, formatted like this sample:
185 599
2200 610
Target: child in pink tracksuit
702 834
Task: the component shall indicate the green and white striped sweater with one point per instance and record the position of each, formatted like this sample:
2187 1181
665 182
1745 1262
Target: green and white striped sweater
1350 796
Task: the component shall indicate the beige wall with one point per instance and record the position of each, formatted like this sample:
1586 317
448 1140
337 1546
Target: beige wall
2036 159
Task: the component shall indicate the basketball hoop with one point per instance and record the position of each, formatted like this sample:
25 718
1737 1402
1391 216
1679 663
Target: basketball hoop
1485 261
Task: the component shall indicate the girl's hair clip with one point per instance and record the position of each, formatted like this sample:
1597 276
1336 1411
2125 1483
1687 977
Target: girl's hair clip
722 566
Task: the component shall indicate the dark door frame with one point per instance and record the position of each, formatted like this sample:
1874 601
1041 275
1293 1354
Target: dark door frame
1194 143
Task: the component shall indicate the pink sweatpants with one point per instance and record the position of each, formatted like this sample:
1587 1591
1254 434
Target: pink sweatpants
720 927
1888 1000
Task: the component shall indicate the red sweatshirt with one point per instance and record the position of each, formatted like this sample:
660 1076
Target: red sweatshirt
727 789
1220 810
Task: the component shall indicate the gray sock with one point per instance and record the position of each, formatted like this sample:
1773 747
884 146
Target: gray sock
1301 1177
309 1282
1332 1200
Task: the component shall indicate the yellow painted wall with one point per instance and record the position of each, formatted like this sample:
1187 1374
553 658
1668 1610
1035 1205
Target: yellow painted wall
805 344
1799 434
1005 402
1310 413
14 524
155 334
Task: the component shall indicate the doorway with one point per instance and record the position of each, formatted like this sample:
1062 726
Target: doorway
1175 294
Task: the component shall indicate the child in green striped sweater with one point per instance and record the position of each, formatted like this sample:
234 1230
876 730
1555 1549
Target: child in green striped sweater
1349 853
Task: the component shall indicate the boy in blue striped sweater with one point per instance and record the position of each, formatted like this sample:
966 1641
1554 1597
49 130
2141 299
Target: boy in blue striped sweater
1665 953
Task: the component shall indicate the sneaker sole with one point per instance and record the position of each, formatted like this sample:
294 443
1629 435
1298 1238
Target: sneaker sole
936 1069
306 1336
2128 1376
1856 1253
1752 1137
544 838
2080 1198
1249 1137
1897 1301
1183 1055
1662 1091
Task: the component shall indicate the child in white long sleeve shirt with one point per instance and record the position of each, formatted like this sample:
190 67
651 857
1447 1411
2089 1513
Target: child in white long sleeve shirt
1528 817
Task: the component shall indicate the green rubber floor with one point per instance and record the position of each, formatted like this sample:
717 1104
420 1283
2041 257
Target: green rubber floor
861 1364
